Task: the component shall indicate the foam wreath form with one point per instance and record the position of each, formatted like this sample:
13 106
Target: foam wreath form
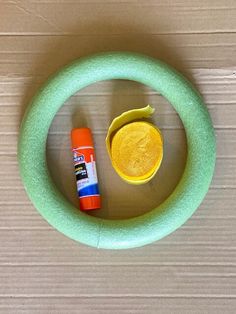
137 231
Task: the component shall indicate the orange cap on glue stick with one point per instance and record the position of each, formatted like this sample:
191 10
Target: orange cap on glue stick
85 169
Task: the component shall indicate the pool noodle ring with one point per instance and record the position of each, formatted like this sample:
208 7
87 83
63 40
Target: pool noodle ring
137 231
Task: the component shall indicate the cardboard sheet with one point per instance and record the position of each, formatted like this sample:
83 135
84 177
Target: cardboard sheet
190 271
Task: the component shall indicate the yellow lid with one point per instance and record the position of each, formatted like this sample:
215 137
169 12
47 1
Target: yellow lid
135 148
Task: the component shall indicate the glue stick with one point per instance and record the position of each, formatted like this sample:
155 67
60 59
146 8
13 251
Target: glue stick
85 169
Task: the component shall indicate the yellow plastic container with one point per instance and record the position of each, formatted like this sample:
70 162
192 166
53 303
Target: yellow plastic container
135 147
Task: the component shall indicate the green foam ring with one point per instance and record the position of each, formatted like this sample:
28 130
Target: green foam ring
126 233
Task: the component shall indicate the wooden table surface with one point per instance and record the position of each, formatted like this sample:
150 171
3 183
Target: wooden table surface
192 270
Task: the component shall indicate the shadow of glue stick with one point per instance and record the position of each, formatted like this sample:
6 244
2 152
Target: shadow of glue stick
85 169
